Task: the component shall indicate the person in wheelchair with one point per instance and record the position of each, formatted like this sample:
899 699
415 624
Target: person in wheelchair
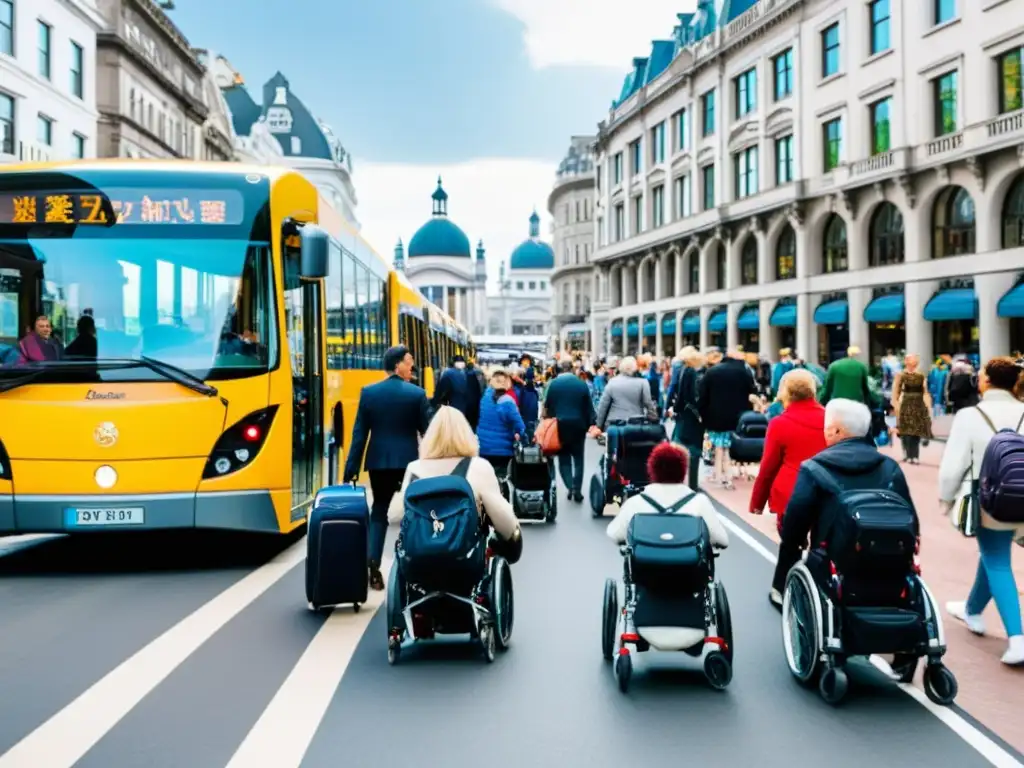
451 575
672 601
858 592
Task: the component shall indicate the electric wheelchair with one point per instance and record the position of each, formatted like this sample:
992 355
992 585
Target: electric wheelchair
622 471
671 599
456 603
828 618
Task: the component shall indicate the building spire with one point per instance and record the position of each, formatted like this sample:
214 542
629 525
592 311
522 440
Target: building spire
534 224
440 198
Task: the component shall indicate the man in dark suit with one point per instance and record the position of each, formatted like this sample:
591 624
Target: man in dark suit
392 415
568 401
453 389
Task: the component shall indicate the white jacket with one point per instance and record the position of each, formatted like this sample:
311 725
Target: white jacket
967 441
667 495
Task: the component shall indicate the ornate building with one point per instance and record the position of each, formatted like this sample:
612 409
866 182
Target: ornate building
522 305
254 143
441 264
811 174
573 289
218 140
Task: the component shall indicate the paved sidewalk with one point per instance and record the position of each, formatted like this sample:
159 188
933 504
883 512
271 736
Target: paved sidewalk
991 692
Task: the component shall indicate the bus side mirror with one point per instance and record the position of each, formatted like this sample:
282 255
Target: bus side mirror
314 256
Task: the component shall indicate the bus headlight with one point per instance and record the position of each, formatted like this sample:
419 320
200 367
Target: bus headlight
240 444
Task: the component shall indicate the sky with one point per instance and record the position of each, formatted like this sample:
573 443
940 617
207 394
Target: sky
484 93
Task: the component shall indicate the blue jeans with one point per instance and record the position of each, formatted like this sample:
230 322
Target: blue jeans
995 580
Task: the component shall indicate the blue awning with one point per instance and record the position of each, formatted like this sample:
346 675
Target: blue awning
668 323
749 319
718 321
1012 303
783 316
632 328
691 323
890 308
617 330
952 304
832 313
650 326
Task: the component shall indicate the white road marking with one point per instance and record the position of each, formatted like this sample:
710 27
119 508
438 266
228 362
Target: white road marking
977 739
64 739
287 726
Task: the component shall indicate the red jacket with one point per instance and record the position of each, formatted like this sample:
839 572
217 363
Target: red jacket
796 435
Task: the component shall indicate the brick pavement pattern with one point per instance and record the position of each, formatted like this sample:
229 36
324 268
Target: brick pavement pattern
990 692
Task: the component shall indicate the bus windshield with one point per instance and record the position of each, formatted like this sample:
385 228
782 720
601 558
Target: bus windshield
201 305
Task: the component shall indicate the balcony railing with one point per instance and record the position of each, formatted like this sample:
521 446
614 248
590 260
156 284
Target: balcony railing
1005 125
944 144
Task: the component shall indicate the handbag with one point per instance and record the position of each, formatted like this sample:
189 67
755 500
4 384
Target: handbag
966 512
547 438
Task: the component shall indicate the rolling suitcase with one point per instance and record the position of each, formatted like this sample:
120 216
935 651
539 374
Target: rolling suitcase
337 562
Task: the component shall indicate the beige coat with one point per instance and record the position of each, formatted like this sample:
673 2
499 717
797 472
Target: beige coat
481 478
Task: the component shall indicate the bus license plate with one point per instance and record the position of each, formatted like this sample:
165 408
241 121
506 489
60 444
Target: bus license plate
106 516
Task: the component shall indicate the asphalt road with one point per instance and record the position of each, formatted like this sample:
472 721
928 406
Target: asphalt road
199 652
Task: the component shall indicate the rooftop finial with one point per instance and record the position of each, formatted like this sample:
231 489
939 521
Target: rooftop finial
534 224
440 198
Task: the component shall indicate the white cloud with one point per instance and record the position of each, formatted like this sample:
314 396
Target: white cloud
490 199
603 33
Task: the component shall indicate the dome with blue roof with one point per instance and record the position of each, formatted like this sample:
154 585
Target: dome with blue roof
533 253
440 236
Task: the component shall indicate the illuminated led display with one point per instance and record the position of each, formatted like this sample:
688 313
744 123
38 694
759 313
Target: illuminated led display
212 206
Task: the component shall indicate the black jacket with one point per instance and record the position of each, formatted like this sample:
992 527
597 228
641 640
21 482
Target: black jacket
453 389
392 415
724 394
568 400
856 466
686 408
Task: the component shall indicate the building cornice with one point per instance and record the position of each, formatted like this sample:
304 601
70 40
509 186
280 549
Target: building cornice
194 108
87 12
174 35
565 184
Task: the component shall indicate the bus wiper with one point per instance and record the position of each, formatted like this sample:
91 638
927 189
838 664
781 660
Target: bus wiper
178 375
168 371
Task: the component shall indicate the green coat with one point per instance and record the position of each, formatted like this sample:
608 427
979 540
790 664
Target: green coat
848 379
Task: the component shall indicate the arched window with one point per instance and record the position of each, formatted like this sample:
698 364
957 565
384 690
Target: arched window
886 236
748 261
953 217
669 289
648 278
1013 215
694 272
785 254
834 252
721 266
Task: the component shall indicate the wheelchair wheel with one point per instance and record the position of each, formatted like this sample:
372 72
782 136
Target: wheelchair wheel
596 496
609 618
623 671
552 513
718 670
833 685
501 599
395 604
488 641
800 628
723 617
940 684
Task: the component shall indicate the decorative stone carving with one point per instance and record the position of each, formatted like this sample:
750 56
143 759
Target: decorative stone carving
879 188
795 214
942 173
849 203
1020 155
977 168
756 224
722 233
907 185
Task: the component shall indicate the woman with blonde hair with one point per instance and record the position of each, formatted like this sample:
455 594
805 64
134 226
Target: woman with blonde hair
448 440
913 406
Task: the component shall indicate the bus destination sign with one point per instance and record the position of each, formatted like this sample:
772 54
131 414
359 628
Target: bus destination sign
123 206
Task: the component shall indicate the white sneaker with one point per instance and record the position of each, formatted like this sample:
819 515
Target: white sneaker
775 597
1014 655
958 610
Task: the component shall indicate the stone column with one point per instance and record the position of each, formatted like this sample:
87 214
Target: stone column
806 342
732 331
993 331
765 332
918 330
705 314
857 300
679 330
659 346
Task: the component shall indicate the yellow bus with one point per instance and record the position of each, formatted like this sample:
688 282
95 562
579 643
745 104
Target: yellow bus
187 382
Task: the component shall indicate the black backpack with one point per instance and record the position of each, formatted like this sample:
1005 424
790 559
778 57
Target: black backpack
668 550
868 532
440 536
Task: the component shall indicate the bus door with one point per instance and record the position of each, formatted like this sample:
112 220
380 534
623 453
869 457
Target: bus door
303 315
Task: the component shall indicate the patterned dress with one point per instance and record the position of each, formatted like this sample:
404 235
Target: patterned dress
914 419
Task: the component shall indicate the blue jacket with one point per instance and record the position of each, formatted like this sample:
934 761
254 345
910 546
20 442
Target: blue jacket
499 423
392 415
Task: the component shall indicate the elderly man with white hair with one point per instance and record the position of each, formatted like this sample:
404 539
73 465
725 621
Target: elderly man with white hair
852 463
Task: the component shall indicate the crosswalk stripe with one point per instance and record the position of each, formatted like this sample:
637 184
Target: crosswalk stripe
287 726
66 737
